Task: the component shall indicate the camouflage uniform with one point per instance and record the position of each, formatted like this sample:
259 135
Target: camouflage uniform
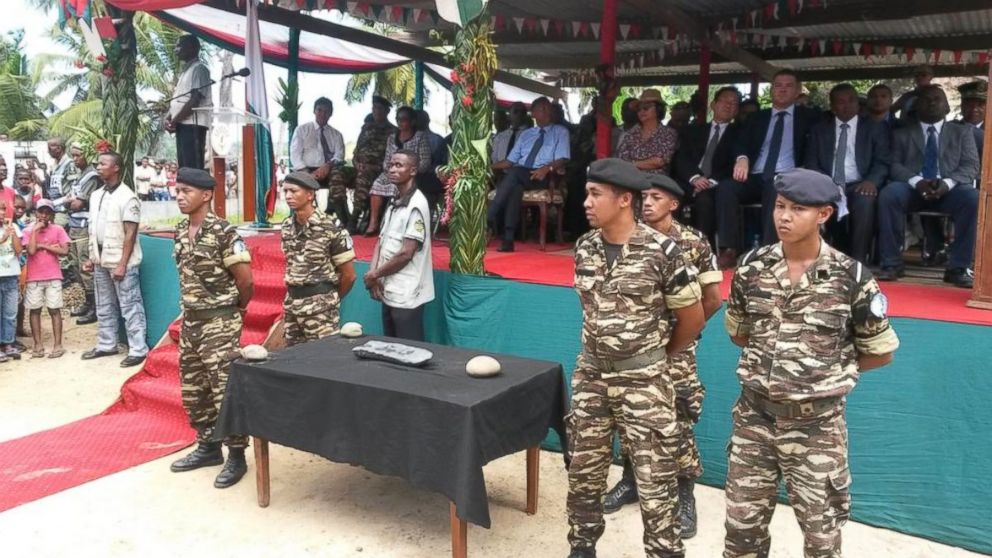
620 383
798 365
82 186
211 327
313 253
689 391
369 153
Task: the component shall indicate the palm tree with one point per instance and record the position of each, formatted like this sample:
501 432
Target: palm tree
399 85
21 117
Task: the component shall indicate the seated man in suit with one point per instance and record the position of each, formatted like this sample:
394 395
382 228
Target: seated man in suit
705 157
773 141
854 151
973 95
538 152
933 168
879 106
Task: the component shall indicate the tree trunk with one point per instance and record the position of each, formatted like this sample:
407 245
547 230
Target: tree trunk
120 99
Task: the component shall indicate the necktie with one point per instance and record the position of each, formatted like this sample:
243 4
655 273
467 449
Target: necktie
771 162
323 145
930 155
513 140
840 156
706 167
529 162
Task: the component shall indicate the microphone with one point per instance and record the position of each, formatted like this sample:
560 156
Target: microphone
243 72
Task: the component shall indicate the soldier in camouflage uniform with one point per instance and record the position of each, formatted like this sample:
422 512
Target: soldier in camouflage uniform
82 185
631 282
369 154
810 320
215 284
319 264
660 203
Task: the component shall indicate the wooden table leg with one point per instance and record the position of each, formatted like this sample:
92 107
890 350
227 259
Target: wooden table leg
459 535
533 478
261 470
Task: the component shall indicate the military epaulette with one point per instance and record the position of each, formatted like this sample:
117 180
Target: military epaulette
857 270
755 254
668 245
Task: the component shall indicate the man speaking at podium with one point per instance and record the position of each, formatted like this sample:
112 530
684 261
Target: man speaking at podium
193 91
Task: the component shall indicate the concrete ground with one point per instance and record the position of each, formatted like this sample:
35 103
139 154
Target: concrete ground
318 508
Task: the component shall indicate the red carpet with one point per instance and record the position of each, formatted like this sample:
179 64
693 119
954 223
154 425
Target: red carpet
145 423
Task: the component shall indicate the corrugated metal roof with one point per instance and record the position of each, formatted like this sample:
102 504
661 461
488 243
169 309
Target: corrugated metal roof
941 25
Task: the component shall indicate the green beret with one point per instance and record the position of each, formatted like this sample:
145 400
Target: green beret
662 182
303 179
197 178
974 90
619 173
807 187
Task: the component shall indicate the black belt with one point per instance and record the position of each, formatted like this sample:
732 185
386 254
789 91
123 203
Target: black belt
791 409
209 313
642 360
303 291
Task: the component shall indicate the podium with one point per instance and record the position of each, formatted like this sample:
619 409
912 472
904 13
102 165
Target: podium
232 137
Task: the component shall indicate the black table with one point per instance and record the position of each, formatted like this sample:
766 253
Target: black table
434 426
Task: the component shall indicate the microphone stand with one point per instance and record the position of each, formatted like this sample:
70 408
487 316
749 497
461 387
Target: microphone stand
195 89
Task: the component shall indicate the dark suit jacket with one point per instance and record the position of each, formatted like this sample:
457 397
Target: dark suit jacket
752 136
871 149
958 154
692 145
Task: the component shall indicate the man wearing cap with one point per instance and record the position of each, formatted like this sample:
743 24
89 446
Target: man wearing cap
215 285
973 96
319 263
810 320
660 203
922 76
318 148
640 304
370 150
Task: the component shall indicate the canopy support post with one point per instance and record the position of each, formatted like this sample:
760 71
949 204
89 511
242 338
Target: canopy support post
981 295
755 81
607 58
704 81
418 91
293 83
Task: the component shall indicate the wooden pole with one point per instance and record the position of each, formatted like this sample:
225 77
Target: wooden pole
247 170
704 81
981 295
755 81
418 90
220 187
607 58
459 534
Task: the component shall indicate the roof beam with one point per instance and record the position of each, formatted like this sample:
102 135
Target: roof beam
834 74
310 24
859 10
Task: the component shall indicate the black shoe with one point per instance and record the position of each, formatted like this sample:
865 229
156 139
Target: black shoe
623 493
582 553
97 353
959 277
206 454
687 508
890 273
132 361
233 470
88 318
505 246
81 311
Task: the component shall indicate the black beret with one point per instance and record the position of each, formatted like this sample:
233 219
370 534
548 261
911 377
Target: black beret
378 100
197 178
304 179
665 183
619 173
807 187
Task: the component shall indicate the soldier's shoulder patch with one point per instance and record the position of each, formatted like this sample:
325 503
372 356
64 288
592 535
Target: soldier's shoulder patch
879 306
349 244
239 247
418 225
668 246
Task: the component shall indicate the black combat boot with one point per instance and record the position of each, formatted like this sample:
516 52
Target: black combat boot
82 310
623 493
340 209
206 454
88 310
582 553
687 508
233 470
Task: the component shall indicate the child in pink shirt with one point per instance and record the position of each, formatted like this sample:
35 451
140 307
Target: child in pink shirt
45 242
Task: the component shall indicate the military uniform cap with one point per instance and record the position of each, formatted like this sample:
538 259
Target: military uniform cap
379 100
974 90
807 187
665 183
197 178
304 179
619 173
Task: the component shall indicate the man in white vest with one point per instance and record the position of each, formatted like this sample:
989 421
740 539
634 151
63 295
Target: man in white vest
401 275
115 255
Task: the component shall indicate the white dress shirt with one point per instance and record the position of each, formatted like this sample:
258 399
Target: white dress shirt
306 151
195 77
851 173
925 128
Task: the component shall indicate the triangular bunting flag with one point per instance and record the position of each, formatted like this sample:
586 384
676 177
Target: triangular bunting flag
352 7
822 43
519 23
595 29
801 44
664 32
936 55
754 18
576 28
635 31
792 7
500 22
838 47
545 24
814 47
377 11
799 6
417 13
559 26
624 30
857 48
983 58
957 56
397 13
910 52
583 28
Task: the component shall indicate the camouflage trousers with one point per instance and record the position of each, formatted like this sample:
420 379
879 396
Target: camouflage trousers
367 173
811 456
310 318
689 392
337 183
642 410
79 252
205 352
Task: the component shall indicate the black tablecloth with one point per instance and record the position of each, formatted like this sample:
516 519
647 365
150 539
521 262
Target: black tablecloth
434 426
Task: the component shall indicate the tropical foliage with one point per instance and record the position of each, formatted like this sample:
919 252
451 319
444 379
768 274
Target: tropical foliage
399 84
22 117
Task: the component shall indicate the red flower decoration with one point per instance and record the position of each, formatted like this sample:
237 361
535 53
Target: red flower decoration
469 89
467 101
101 58
79 64
103 146
455 78
108 71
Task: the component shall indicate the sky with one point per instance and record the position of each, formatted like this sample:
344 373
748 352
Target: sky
347 118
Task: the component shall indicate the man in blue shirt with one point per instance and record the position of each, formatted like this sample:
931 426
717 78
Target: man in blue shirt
536 154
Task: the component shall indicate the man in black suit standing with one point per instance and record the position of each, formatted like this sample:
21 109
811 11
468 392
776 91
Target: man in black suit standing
934 165
854 151
705 157
773 141
973 95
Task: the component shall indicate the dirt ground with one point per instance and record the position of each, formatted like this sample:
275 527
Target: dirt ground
318 508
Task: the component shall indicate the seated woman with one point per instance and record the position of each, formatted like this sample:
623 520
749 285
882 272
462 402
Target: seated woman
649 144
406 137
